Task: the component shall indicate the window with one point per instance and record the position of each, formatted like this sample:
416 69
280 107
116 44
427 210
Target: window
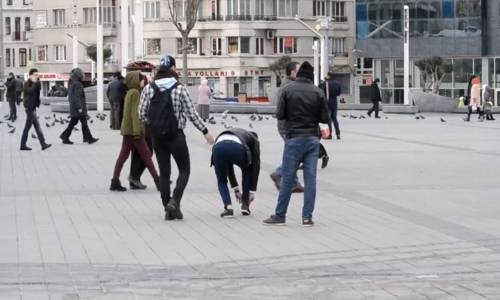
7 26
151 10
285 45
108 15
114 54
27 24
238 9
264 86
259 8
30 56
259 46
9 2
60 52
192 46
89 15
7 57
13 51
23 58
329 8
27 2
245 44
286 8
337 45
152 46
232 45
59 17
216 46
42 53
237 85
179 7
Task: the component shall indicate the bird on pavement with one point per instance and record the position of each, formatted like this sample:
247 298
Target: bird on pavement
224 114
250 125
33 136
10 125
417 118
422 117
12 130
443 120
47 125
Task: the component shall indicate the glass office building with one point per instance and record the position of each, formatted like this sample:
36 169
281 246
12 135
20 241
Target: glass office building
463 32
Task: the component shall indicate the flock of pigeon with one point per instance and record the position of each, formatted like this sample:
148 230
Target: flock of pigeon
52 121
224 117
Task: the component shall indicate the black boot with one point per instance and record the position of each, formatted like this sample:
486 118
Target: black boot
116 186
172 205
157 183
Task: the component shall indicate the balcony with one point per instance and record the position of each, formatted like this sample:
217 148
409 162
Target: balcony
109 29
211 18
238 18
265 17
339 19
16 35
27 35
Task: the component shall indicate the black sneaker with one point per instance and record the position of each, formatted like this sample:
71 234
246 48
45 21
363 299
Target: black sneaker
46 146
324 161
307 223
245 210
178 214
274 220
171 205
169 216
25 148
227 213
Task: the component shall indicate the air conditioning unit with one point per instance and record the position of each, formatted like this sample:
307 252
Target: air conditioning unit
270 34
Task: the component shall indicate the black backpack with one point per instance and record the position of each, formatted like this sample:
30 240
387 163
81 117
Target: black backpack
161 116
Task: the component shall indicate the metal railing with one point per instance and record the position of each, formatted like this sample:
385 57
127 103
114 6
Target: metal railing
210 18
238 18
265 17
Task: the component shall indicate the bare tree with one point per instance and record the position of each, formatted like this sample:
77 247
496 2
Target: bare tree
184 24
433 70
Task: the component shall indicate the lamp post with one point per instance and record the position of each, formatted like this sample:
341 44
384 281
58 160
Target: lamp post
100 59
125 35
406 55
75 35
322 47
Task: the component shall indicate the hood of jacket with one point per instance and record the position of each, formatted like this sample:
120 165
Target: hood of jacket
165 83
133 80
76 74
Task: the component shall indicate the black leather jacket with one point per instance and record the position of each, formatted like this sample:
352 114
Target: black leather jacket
303 106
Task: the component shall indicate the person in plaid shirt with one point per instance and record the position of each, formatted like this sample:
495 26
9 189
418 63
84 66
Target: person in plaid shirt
166 78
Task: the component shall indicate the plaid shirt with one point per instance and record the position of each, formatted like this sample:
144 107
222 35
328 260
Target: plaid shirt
183 107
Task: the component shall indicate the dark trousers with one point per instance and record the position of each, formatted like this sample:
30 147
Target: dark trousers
375 108
137 165
165 149
32 120
18 98
139 145
225 155
85 128
115 115
469 112
333 116
13 109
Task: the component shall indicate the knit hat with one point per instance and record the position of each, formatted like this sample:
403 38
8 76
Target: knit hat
306 71
167 62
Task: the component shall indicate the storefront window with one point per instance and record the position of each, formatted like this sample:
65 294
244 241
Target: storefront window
462 70
237 85
232 45
497 73
264 86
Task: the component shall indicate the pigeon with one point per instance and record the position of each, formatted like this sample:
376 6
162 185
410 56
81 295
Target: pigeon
47 125
6 116
1 122
250 125
61 120
362 117
234 118
267 118
212 121
353 117
344 116
12 130
91 121
224 114
33 136
53 124
422 117
47 117
417 118
227 126
386 118
10 126
443 120
253 117
54 115
260 118
56 121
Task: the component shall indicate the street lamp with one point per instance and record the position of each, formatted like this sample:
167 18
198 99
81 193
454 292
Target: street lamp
100 58
322 41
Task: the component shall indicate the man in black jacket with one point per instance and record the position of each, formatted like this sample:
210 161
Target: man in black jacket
10 84
303 106
375 97
237 147
31 102
116 95
78 109
332 91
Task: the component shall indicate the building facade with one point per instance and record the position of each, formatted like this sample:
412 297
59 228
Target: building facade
17 43
233 43
463 32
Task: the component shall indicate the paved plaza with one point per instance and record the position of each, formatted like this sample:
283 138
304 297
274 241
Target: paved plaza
407 209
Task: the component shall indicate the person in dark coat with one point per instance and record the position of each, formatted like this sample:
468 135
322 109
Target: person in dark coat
78 109
237 147
19 90
116 95
375 98
11 86
31 103
332 91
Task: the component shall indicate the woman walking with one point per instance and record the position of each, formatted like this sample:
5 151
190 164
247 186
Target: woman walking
166 106
133 132
204 95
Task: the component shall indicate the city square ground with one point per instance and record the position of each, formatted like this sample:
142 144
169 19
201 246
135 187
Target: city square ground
406 209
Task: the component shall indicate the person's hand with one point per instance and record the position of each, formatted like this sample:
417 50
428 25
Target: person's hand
209 138
251 197
80 111
238 195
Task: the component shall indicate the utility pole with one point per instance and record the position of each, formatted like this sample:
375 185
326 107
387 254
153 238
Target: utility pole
125 35
322 47
406 55
75 35
100 58
2 50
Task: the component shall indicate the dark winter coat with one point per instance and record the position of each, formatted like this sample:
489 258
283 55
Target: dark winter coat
251 143
333 93
303 106
76 94
131 125
375 93
10 84
116 91
282 123
31 99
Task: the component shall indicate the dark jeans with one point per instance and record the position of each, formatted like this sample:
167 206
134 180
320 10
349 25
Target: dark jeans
137 165
115 115
469 112
164 150
299 150
375 108
225 155
333 116
139 145
279 170
85 128
32 120
13 109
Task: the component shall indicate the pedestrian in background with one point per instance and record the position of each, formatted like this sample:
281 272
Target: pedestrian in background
116 95
31 102
332 91
488 98
19 89
11 85
204 96
474 97
78 109
303 106
375 98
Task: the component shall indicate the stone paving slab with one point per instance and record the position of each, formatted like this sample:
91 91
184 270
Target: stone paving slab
407 209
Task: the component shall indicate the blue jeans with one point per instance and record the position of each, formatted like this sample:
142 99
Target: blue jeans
225 155
299 150
279 170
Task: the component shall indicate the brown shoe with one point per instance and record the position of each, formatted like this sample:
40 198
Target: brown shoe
277 180
298 189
